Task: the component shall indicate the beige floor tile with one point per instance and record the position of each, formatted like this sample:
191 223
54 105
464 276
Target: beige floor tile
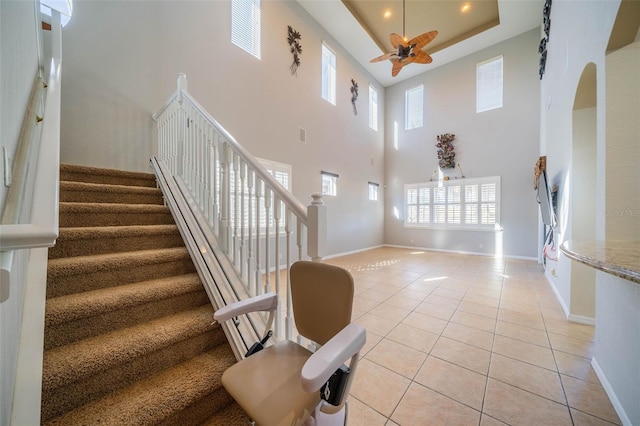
425 322
442 312
456 382
413 337
376 324
575 366
533 321
390 312
378 387
468 335
461 354
375 295
475 321
522 351
520 332
579 347
518 407
528 377
487 420
372 340
590 398
447 302
571 329
584 419
450 293
422 406
363 304
360 414
478 309
398 358
404 302
479 299
521 307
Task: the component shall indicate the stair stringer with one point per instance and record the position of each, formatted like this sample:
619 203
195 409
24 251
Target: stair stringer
220 279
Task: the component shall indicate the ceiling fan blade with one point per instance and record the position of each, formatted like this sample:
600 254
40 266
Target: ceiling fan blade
422 57
396 40
423 39
384 57
397 66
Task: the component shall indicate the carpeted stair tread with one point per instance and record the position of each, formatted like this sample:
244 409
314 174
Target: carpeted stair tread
231 415
113 214
71 172
82 315
84 241
84 273
81 359
155 398
72 191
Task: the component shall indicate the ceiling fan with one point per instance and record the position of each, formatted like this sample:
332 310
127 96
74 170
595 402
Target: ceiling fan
407 52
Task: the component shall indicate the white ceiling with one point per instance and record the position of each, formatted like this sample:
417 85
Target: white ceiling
516 17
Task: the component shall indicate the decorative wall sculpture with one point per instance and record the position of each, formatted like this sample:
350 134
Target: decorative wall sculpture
293 39
354 95
446 154
542 49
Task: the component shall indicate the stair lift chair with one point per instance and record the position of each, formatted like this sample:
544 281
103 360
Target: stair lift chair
281 384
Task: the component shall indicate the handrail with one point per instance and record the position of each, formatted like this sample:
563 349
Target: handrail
254 224
293 203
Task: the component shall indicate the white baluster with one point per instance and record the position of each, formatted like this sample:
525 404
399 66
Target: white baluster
257 239
276 259
250 259
224 201
267 239
242 215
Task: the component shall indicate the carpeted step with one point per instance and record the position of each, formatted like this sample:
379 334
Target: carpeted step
113 214
86 273
70 172
87 241
82 192
82 315
77 373
160 397
231 415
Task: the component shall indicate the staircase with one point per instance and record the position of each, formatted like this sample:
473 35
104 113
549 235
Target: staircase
128 325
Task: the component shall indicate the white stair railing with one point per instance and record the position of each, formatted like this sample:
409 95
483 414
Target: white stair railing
259 225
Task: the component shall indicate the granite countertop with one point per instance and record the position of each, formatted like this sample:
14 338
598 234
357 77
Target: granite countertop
619 258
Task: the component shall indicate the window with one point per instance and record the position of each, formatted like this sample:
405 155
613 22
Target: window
245 25
329 184
328 74
456 204
373 108
413 100
489 85
373 191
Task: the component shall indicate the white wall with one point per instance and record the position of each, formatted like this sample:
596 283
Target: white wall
18 67
502 142
121 64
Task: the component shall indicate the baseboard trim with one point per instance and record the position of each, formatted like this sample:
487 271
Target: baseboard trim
331 256
582 319
610 393
470 253
565 309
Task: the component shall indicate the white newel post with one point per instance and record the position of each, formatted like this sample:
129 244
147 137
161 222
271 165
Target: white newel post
317 228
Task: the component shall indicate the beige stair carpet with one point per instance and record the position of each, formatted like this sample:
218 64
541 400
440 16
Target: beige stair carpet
129 333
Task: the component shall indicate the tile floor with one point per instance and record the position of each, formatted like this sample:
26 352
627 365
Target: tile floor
467 340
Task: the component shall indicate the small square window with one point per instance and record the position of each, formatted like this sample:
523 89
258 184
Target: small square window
329 184
373 191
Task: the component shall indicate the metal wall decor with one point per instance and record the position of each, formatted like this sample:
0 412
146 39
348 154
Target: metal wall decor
446 154
542 49
293 39
354 95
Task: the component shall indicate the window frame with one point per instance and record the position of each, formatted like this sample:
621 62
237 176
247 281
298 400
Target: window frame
435 205
373 190
408 123
329 74
487 90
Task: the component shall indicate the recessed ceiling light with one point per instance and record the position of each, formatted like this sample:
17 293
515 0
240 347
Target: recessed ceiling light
387 14
465 7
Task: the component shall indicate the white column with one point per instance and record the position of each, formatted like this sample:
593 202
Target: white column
317 232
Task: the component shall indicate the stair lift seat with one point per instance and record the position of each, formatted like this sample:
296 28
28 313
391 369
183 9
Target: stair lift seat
280 385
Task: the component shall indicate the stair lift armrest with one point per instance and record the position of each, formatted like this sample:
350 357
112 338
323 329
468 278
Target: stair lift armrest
326 360
263 302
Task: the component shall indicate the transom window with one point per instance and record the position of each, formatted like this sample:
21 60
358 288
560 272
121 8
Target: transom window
245 25
328 74
413 107
455 204
489 85
373 108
